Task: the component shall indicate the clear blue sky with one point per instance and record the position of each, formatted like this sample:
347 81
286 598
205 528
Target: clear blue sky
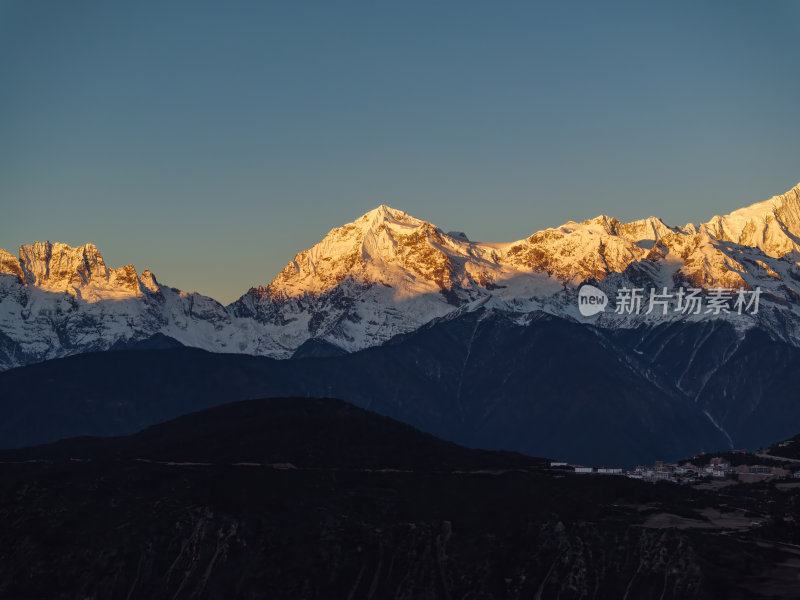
211 141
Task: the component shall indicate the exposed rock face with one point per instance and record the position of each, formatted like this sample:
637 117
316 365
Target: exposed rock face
80 272
389 273
9 265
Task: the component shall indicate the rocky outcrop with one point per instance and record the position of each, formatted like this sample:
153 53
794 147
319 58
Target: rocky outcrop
9 265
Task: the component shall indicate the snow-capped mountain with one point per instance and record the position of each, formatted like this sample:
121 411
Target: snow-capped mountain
56 300
384 274
389 273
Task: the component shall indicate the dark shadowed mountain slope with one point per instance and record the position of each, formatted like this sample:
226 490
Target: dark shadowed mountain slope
544 384
157 341
545 387
306 432
316 348
747 382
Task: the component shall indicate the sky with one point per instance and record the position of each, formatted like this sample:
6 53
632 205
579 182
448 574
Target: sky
212 141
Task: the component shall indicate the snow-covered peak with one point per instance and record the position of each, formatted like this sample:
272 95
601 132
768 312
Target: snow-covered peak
772 225
9 264
600 225
384 246
57 300
389 247
651 228
58 267
594 248
458 235
79 271
148 280
388 272
387 215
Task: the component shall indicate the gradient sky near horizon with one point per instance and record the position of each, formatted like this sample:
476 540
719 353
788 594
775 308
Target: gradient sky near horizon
212 141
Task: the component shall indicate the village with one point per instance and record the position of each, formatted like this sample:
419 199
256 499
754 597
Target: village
699 469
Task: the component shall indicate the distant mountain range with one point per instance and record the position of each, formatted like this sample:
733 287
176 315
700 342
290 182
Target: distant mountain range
388 273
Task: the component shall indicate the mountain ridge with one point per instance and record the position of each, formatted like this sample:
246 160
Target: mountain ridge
388 273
